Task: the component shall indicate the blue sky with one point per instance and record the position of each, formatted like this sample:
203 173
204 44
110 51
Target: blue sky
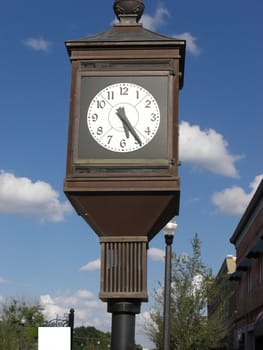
50 254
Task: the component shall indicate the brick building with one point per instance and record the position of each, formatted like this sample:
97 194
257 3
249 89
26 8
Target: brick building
248 241
223 303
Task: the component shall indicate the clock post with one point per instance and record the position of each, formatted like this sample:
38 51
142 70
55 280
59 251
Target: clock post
122 159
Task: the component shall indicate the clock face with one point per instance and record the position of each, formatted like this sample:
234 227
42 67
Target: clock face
123 117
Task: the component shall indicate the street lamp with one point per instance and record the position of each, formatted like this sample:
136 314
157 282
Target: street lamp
169 232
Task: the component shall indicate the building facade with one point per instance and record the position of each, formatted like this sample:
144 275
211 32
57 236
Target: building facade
223 303
248 277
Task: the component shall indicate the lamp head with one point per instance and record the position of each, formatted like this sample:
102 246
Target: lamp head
170 228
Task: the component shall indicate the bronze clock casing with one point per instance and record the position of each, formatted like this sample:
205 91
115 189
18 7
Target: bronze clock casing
134 193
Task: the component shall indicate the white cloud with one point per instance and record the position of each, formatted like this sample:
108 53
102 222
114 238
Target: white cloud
156 254
91 266
142 320
37 44
84 293
152 22
207 149
19 195
89 311
191 45
234 200
2 280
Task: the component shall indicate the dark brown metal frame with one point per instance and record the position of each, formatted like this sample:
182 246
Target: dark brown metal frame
171 68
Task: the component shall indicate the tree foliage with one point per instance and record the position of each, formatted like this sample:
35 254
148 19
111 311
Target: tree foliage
90 338
192 288
19 322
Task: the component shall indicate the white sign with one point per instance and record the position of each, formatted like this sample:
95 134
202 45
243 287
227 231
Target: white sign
54 338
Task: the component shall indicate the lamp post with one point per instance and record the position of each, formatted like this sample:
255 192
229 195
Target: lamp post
22 342
169 232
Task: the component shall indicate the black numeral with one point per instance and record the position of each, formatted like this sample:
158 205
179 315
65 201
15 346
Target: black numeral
123 143
153 117
109 139
100 130
123 90
110 95
148 103
101 104
94 117
147 131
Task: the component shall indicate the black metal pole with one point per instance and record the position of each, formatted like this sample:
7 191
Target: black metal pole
123 324
71 325
167 292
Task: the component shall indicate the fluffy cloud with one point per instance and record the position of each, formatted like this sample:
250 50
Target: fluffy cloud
152 22
156 254
37 44
234 200
91 266
19 195
89 311
206 149
191 44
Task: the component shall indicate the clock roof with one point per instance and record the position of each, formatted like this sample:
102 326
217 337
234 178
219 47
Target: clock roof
132 35
127 33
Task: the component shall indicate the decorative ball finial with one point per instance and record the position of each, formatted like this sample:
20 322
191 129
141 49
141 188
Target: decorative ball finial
128 8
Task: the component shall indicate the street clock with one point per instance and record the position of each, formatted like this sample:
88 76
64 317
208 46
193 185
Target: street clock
122 159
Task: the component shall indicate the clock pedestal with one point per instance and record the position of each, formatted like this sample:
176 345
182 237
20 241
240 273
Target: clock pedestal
123 324
124 187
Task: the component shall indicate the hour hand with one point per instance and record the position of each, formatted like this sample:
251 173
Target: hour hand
121 114
127 125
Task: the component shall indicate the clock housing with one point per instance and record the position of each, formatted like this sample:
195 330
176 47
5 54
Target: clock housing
135 190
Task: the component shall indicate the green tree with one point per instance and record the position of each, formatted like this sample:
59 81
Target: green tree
193 287
19 323
90 338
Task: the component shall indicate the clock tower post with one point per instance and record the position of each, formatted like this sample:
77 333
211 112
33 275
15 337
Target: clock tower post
122 159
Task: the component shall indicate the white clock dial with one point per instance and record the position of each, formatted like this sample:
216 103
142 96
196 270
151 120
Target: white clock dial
123 117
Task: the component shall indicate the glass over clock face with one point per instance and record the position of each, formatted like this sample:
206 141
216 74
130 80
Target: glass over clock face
123 117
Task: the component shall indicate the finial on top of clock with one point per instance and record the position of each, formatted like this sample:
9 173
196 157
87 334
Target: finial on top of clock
128 11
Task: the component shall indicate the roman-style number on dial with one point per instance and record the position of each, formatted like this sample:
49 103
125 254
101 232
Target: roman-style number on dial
123 117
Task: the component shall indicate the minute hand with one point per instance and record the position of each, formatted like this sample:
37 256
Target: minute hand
121 114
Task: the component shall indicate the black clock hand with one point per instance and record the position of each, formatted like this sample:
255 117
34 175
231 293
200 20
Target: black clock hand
126 129
127 125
